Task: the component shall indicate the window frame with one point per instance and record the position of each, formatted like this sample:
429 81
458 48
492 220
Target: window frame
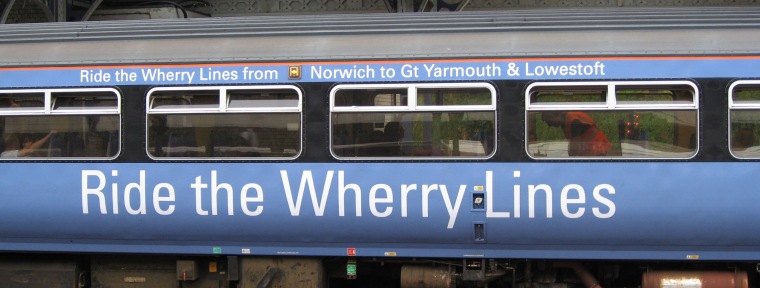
48 110
412 106
739 106
223 109
611 104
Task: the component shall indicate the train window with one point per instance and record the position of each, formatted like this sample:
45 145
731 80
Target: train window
612 120
570 95
413 121
224 122
185 100
453 97
369 97
262 99
634 96
78 101
31 101
60 124
744 126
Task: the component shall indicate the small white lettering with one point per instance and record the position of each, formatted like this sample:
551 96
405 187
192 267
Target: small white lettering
597 69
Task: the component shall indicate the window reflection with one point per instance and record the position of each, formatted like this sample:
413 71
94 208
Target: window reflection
419 134
381 121
632 134
252 123
77 124
612 119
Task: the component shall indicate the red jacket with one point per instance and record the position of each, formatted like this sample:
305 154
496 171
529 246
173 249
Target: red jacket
591 142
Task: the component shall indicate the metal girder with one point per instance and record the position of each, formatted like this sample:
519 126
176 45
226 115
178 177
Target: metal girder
440 6
37 3
7 11
94 6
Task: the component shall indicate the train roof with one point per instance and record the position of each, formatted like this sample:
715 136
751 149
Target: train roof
477 34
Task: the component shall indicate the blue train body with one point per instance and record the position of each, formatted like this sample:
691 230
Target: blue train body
665 211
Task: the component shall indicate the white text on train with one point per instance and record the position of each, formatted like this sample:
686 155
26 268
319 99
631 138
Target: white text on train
163 194
565 70
104 193
365 72
386 200
489 70
167 75
572 198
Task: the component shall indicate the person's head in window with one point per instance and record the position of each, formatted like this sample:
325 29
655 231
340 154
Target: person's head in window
553 118
393 131
11 142
15 148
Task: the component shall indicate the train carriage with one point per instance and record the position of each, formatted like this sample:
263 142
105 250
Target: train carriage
552 148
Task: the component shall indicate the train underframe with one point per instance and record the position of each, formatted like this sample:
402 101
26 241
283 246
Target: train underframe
146 270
